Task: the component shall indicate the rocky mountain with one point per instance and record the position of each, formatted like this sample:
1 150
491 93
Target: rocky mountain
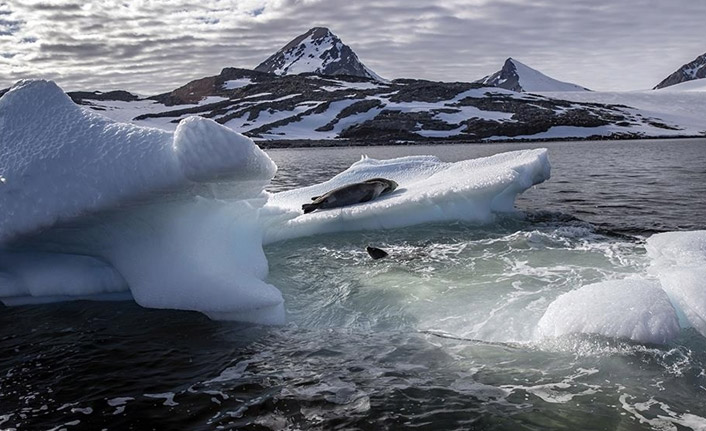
317 51
688 72
519 77
308 109
315 91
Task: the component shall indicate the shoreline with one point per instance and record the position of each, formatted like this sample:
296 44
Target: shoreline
332 143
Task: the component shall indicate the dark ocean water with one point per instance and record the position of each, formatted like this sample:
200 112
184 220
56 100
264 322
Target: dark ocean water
441 339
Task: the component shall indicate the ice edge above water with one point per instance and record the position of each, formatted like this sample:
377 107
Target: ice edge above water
95 208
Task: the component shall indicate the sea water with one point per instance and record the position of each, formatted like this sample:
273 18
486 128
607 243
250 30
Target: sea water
440 335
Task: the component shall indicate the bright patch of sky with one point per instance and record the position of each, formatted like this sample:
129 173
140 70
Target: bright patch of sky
156 46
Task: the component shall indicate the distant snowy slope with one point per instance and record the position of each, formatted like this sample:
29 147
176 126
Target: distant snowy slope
682 108
519 77
688 72
316 51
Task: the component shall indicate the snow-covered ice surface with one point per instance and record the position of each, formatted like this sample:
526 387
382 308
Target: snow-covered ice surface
429 191
649 307
93 207
120 207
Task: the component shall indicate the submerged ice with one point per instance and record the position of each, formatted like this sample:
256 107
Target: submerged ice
94 208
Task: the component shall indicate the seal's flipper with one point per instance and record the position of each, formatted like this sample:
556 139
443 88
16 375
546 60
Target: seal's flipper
309 208
315 198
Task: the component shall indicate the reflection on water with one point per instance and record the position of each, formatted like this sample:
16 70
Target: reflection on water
438 336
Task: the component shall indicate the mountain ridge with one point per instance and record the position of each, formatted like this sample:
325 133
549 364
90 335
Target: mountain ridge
317 51
310 106
695 69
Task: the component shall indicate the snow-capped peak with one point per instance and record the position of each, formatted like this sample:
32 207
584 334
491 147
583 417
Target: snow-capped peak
519 77
688 72
316 51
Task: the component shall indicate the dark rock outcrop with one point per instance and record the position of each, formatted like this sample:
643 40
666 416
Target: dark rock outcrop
84 97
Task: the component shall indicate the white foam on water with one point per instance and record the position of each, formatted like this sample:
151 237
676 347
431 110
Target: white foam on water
167 396
647 413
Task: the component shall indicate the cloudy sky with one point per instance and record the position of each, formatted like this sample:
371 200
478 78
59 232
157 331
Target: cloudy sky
150 46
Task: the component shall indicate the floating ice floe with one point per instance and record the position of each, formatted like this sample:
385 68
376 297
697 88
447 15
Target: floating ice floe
94 209
429 191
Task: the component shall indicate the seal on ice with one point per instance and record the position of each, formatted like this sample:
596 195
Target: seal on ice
351 194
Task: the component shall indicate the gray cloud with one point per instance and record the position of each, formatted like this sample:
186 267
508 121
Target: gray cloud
156 46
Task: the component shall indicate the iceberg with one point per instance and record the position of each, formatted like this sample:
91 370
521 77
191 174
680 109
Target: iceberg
94 209
636 309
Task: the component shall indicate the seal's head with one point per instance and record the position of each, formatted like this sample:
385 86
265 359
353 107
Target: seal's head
390 185
376 253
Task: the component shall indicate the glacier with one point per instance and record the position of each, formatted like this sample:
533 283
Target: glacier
94 209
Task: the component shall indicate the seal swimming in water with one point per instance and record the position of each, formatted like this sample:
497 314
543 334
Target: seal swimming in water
376 253
351 194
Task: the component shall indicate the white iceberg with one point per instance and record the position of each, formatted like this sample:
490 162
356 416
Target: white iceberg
91 207
103 210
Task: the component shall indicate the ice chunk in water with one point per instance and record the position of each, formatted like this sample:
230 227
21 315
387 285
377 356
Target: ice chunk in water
633 308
